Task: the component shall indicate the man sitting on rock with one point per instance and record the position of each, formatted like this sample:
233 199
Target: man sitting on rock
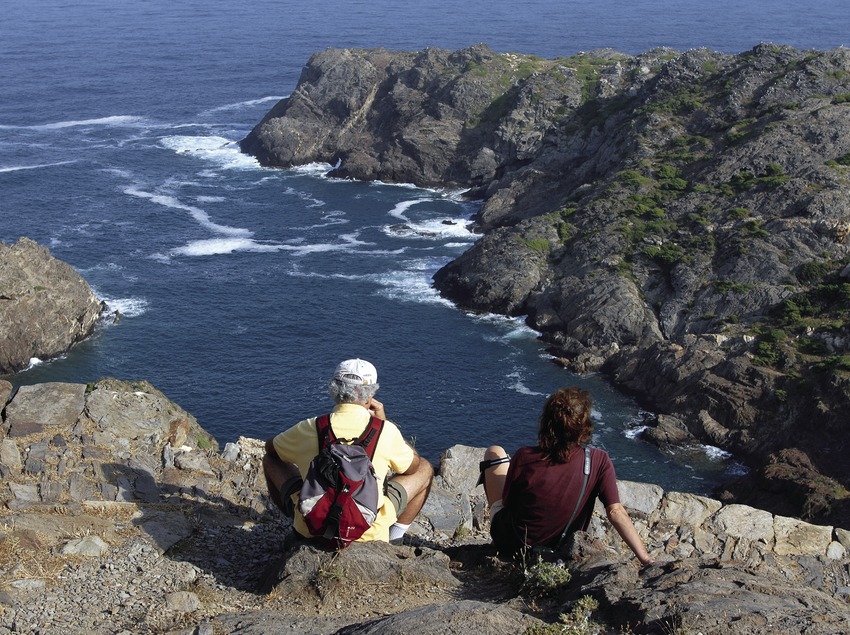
400 497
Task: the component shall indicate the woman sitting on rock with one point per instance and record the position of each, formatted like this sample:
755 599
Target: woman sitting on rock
545 493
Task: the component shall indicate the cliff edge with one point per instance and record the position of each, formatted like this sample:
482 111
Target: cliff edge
120 514
679 221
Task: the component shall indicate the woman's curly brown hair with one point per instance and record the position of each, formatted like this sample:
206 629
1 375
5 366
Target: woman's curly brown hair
565 423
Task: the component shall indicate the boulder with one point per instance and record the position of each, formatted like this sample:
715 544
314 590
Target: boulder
45 305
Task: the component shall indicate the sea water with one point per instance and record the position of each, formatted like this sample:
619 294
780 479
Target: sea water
240 287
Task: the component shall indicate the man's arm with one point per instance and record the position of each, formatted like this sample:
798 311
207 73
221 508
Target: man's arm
277 472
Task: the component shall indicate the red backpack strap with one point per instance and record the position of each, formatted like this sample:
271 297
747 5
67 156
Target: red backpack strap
324 432
370 436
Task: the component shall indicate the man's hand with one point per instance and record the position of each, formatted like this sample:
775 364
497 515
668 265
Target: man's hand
376 408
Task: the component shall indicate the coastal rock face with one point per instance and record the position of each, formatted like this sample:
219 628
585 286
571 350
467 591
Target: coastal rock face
680 221
104 529
45 306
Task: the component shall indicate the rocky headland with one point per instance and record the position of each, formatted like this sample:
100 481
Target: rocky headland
120 514
677 220
45 306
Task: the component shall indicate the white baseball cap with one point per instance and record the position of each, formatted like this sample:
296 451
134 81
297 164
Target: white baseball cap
357 372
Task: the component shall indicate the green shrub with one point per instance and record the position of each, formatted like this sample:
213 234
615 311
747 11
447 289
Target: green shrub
813 271
633 178
735 286
544 578
668 254
754 228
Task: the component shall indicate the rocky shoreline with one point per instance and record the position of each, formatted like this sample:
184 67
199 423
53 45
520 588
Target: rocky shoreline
677 220
121 515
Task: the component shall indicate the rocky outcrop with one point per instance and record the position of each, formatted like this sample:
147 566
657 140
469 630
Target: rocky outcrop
45 306
680 221
118 513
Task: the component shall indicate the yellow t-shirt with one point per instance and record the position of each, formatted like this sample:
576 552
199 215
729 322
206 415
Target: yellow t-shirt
300 444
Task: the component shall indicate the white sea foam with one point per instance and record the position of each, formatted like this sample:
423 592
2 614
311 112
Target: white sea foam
516 326
197 213
313 169
17 168
223 152
34 361
216 246
634 433
411 282
517 385
127 307
210 199
400 208
715 453
121 121
240 105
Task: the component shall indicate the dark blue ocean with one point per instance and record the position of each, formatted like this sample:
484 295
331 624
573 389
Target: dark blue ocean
241 287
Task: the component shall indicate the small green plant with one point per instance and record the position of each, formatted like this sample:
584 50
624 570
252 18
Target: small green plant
540 245
331 571
753 228
768 348
544 578
735 286
668 254
633 178
739 213
577 622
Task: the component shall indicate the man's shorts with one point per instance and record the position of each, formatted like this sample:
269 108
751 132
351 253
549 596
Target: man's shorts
289 489
397 495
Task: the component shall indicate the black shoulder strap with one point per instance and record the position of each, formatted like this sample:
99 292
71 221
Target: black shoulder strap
586 471
370 436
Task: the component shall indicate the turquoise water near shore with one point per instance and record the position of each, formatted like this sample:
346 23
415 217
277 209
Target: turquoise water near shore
241 287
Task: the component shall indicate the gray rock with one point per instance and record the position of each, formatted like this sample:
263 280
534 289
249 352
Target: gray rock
88 546
193 462
459 618
5 391
164 529
182 602
49 404
24 492
445 511
714 597
231 451
10 456
46 306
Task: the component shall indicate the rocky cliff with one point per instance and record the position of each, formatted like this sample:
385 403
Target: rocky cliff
45 305
120 514
677 220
